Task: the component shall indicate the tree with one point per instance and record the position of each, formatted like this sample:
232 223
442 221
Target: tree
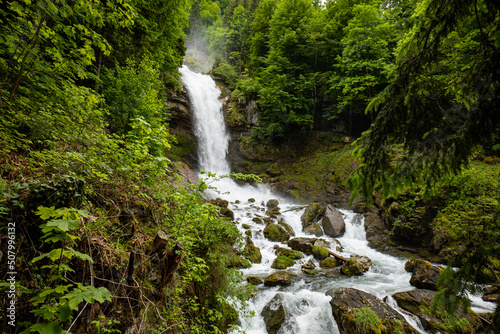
365 59
443 100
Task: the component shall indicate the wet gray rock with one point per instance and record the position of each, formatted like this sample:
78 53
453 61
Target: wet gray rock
302 244
278 278
332 222
424 274
314 228
419 302
272 203
254 280
349 304
275 314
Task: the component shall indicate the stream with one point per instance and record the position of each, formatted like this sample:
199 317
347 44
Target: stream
305 298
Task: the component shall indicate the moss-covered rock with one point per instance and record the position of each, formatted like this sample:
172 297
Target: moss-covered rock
257 220
226 213
419 302
287 227
278 278
356 311
275 232
254 280
351 268
311 214
280 251
314 228
320 253
246 226
329 262
424 274
252 252
309 265
274 314
282 262
302 244
272 203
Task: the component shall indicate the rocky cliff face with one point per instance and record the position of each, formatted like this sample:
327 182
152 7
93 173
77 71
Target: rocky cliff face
180 108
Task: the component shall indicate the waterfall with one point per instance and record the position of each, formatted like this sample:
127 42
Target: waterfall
210 128
305 299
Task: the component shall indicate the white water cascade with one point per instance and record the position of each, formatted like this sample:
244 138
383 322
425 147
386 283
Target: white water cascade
305 299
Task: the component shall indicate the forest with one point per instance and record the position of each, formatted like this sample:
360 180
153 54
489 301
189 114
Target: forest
102 232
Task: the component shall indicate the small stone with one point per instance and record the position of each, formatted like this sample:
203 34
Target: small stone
245 226
251 200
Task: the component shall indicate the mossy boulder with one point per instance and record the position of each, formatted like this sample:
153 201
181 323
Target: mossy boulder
254 280
257 220
319 253
329 262
314 228
236 261
274 314
287 227
309 265
225 212
302 244
252 252
311 214
280 251
222 203
282 262
246 226
351 268
278 278
356 311
275 232
424 274
419 302
272 203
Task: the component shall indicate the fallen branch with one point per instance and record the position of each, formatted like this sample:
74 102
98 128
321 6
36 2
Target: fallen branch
296 209
337 256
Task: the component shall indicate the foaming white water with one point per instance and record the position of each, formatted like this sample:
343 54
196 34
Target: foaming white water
210 128
309 311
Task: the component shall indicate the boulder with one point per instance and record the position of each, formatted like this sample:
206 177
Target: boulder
274 314
287 227
419 302
364 262
280 251
221 203
302 244
278 278
257 220
319 253
272 203
329 262
333 223
226 212
282 262
491 293
311 214
275 232
252 252
314 228
424 274
356 311
254 280
352 268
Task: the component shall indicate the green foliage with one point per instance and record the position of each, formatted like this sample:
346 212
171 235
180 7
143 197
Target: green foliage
440 102
133 92
57 300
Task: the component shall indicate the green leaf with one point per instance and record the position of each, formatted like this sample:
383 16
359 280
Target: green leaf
64 224
45 213
50 328
80 256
